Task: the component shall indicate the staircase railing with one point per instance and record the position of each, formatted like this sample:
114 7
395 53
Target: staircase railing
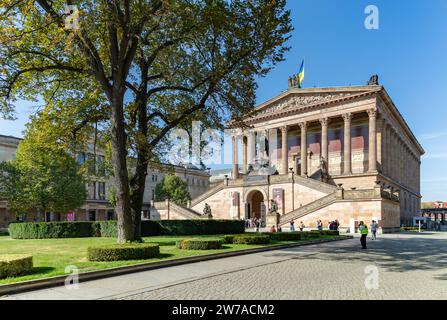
308 208
187 212
207 194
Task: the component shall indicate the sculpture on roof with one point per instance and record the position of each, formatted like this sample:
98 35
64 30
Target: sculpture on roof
374 80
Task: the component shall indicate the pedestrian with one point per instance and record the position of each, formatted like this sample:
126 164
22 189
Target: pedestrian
319 225
329 225
363 229
273 229
258 222
292 226
302 226
374 227
336 224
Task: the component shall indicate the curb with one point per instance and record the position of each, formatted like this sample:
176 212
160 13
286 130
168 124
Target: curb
31 285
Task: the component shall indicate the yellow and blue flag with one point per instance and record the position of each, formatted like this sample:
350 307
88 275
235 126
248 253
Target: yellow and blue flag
301 74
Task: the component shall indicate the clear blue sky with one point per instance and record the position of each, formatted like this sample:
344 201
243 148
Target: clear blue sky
408 52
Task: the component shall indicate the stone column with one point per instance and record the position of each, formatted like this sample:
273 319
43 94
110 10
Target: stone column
380 143
347 167
372 113
303 126
284 151
388 150
244 154
235 159
324 141
251 147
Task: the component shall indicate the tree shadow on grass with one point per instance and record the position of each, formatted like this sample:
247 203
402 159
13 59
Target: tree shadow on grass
165 255
40 270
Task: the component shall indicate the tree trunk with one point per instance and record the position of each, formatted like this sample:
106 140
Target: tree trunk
119 160
138 183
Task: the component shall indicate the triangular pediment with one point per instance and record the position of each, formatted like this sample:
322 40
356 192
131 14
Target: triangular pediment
296 99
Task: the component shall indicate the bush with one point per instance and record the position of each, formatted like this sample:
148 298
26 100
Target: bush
128 251
107 228
4 233
330 232
193 227
44 230
311 234
80 229
228 238
284 236
253 239
199 244
12 265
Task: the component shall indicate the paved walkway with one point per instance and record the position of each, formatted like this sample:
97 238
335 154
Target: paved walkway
397 266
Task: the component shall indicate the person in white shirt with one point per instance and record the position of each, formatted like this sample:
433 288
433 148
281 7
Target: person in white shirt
374 227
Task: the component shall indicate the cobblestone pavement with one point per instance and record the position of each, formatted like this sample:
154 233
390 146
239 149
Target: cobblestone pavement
409 266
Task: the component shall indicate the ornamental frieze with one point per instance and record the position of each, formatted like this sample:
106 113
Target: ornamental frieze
298 101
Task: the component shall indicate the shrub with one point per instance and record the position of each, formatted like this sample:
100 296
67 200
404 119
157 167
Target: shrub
199 244
43 230
330 232
193 227
107 228
80 229
128 251
4 233
253 239
228 238
284 236
311 234
12 265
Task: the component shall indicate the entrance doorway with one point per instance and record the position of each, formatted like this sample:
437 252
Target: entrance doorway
256 207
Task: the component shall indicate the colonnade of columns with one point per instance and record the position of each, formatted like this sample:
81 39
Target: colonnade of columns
404 165
248 143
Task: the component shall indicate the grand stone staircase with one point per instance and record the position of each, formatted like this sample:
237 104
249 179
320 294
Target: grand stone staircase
184 211
207 194
308 208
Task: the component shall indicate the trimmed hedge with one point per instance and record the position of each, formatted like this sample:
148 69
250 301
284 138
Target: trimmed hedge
284 236
311 234
44 230
12 265
254 239
330 232
128 251
199 244
81 229
191 227
107 228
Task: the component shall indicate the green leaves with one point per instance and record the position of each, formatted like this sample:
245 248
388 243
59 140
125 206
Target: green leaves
173 188
42 178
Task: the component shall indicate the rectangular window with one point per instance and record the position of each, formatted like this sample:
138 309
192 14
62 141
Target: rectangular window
91 191
91 163
153 194
100 165
92 215
101 190
110 215
81 158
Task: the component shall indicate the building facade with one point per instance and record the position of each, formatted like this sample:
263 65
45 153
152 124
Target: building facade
98 186
342 153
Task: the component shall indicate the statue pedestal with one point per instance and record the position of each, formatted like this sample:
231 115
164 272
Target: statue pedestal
272 220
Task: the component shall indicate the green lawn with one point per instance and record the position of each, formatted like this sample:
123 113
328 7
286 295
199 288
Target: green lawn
51 256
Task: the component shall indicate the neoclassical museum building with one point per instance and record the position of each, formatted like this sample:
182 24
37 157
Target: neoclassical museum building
342 153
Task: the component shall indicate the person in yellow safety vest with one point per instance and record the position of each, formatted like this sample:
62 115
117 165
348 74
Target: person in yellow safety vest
363 229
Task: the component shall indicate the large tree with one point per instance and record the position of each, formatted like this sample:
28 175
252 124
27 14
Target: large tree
139 68
41 178
173 188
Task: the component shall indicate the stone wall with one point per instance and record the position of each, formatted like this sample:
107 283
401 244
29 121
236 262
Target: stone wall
386 212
